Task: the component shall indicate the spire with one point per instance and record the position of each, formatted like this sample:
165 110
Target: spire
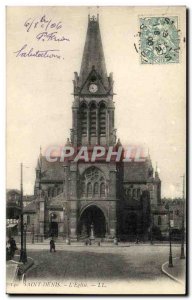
93 55
39 161
156 172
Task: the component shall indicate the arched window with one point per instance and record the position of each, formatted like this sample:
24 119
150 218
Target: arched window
83 118
89 189
28 220
96 189
93 119
129 193
102 189
159 220
138 193
93 183
102 119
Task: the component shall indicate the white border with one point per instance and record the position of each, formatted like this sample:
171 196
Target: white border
3 4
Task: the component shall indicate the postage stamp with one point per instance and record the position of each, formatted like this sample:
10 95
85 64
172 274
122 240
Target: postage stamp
159 40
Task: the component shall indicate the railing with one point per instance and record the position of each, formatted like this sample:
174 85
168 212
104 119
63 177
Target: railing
12 221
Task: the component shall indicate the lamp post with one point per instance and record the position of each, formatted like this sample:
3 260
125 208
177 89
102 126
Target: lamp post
25 242
66 195
170 244
33 234
68 242
151 230
115 241
51 229
182 256
22 252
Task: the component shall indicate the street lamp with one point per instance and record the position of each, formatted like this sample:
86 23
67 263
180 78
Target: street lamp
51 229
25 242
22 252
33 234
115 241
151 230
170 244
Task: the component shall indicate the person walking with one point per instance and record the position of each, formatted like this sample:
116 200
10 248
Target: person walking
52 245
13 247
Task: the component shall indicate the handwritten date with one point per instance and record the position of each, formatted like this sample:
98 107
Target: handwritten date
42 23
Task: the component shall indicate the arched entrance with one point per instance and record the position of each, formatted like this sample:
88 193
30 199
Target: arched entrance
92 215
53 225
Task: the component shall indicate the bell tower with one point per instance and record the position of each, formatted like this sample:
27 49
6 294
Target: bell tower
93 107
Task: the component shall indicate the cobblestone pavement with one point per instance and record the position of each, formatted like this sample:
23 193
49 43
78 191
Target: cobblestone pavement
134 262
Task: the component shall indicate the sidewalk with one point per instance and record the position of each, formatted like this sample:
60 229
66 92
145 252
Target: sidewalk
16 269
177 272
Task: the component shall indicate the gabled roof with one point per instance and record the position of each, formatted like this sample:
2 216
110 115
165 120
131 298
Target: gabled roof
51 170
138 171
30 208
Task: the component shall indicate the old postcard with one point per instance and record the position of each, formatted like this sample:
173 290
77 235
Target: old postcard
96 150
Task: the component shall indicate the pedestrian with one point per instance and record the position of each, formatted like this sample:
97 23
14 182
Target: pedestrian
13 247
8 255
52 245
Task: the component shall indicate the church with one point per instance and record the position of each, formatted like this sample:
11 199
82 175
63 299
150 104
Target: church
101 199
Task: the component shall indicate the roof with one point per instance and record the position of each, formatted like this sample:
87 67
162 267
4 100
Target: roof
28 198
30 208
137 171
53 171
93 54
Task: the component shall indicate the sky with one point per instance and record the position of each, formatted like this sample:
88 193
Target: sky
149 100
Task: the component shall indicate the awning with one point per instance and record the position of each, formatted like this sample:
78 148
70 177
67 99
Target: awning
11 225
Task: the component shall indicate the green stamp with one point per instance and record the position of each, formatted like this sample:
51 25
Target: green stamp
159 40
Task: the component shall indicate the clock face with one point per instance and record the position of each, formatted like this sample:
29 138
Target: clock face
93 88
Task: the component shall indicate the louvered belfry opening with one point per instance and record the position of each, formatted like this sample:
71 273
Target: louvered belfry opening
102 119
83 118
93 122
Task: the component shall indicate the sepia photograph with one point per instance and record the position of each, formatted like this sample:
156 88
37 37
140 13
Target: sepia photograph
96 150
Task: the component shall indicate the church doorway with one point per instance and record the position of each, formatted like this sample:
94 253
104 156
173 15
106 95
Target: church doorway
92 215
54 229
53 225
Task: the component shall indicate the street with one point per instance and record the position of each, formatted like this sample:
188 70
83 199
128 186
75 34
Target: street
134 262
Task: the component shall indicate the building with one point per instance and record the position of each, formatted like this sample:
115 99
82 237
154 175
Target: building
113 198
13 211
173 208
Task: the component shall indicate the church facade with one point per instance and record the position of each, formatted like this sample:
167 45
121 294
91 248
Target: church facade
73 198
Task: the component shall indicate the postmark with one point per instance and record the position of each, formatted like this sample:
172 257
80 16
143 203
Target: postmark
159 40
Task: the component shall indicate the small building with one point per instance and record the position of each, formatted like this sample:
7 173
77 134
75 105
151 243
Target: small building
13 211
